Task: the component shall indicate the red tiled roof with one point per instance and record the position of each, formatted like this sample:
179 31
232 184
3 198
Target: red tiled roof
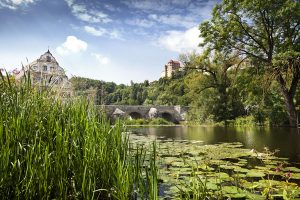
174 61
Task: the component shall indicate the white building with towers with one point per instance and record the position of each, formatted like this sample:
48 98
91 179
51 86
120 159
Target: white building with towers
45 71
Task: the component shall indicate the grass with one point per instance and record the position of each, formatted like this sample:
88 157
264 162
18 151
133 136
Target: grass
155 121
55 149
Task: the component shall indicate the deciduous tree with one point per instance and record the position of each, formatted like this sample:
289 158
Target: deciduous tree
265 31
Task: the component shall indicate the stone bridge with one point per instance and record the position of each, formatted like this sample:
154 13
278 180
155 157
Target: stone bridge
174 114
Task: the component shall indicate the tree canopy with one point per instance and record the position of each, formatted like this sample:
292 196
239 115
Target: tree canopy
264 32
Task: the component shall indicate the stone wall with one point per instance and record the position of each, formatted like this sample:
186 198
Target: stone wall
171 113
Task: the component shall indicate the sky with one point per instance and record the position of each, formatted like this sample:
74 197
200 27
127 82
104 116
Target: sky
110 40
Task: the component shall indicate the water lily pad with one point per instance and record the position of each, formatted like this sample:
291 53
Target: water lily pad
205 167
166 178
211 186
239 175
292 169
255 174
295 175
236 196
178 164
218 162
227 167
241 164
262 168
255 196
241 170
172 190
250 185
222 176
214 180
230 189
271 183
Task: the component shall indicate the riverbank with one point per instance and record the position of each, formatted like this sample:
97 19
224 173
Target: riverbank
246 121
148 122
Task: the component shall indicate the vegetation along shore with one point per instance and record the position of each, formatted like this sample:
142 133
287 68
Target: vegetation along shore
58 144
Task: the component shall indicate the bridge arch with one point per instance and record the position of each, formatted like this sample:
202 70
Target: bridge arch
135 115
169 117
170 113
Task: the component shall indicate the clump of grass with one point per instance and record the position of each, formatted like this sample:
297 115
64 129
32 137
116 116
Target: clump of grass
155 121
54 149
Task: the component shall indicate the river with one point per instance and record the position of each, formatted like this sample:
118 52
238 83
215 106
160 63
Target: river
286 140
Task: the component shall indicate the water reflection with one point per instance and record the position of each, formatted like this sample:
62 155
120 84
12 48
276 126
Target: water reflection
285 139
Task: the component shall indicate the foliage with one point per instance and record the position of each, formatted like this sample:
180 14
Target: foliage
213 85
155 121
243 121
266 33
111 93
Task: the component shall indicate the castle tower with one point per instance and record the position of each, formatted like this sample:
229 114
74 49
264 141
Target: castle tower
171 67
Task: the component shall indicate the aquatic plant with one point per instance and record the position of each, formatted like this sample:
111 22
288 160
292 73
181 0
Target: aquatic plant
192 170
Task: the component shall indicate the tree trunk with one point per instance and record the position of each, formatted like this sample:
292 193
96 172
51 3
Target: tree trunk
290 106
291 110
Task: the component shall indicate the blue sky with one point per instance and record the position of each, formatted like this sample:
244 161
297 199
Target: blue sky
111 40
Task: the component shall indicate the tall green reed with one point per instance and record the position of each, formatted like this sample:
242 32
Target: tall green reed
55 149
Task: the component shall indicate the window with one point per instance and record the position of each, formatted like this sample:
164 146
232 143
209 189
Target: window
48 59
36 79
52 69
45 68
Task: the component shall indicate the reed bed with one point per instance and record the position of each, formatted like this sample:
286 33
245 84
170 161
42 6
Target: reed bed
54 149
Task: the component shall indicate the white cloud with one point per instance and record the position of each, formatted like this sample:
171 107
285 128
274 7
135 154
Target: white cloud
140 22
113 34
94 31
18 2
112 8
146 5
181 41
175 20
15 4
71 45
176 13
101 58
88 15
202 8
156 5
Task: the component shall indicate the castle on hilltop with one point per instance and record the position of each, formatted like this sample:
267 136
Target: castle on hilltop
45 71
170 68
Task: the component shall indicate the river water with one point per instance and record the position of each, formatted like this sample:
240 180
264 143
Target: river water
286 140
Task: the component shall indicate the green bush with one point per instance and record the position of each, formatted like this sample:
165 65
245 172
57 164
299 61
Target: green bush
159 121
155 121
244 121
